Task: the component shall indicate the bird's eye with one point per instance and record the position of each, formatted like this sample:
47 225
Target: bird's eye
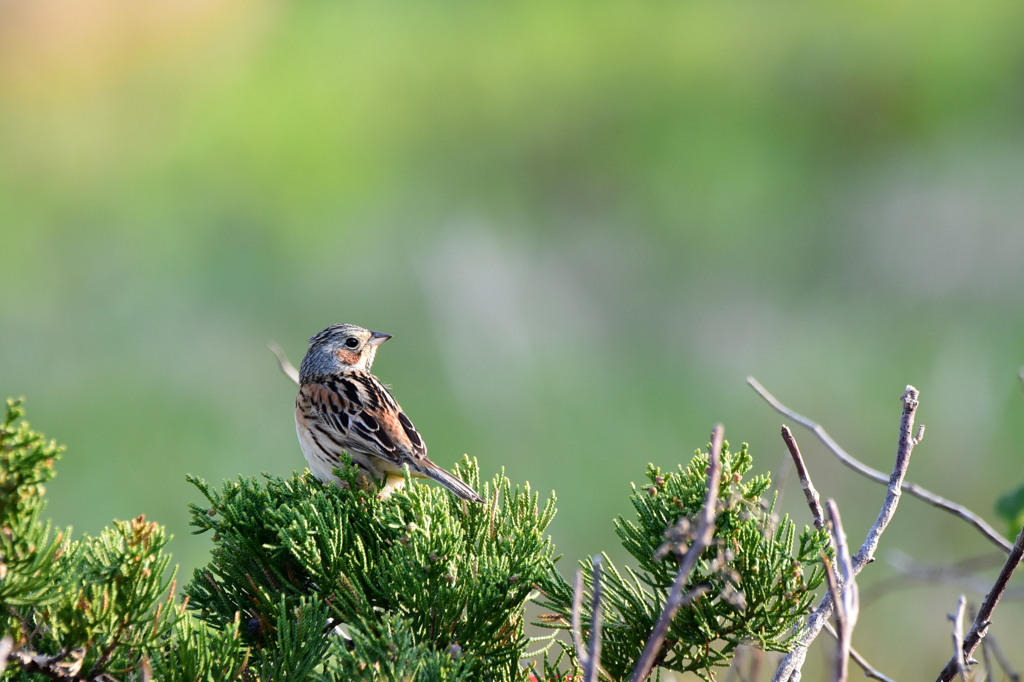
351 342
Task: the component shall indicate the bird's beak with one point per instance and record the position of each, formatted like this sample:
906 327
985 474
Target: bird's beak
378 338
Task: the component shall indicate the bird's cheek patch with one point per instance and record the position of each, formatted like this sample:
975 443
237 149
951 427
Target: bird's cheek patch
346 356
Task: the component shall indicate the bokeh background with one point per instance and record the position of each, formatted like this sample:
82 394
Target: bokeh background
584 223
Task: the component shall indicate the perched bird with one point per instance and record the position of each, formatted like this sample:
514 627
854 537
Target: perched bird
341 406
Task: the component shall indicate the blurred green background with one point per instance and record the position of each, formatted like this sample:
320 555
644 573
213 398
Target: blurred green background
584 223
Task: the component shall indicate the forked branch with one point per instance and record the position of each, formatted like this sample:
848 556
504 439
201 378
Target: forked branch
789 670
877 476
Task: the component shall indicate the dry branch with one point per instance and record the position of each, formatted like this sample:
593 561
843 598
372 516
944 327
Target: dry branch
958 637
702 538
984 618
877 476
789 669
594 655
844 593
813 499
588 657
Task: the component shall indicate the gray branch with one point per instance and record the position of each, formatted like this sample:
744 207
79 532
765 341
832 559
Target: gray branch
958 637
813 499
877 476
704 534
984 618
844 593
588 657
789 670
594 655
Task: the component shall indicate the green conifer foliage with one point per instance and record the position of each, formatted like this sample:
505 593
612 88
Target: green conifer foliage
197 652
760 575
320 582
31 559
98 606
428 586
390 650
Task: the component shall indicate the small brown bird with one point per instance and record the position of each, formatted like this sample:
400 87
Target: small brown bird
341 406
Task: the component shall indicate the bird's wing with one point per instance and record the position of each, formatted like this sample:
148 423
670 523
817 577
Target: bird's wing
358 413
366 418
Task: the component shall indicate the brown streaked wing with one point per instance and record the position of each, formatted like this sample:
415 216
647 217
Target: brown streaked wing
390 417
412 434
375 422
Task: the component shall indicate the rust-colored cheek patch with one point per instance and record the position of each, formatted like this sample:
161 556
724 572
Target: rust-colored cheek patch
346 356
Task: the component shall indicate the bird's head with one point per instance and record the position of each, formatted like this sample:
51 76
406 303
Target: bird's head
341 347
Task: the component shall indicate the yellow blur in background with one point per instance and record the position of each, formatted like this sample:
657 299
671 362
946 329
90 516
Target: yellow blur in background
584 224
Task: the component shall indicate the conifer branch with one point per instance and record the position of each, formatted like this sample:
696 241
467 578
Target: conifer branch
427 586
430 587
702 538
777 570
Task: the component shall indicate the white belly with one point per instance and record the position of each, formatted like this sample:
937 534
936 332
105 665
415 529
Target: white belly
315 458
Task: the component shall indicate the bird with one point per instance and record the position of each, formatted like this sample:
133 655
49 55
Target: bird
342 406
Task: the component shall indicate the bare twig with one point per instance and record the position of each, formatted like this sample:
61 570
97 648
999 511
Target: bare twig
813 500
589 658
845 595
283 362
789 669
981 622
577 606
702 538
594 656
832 578
877 476
899 471
859 659
958 637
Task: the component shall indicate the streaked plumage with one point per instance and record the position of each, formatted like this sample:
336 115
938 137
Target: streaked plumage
342 406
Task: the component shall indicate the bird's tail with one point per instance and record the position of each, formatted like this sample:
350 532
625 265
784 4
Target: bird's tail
453 483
